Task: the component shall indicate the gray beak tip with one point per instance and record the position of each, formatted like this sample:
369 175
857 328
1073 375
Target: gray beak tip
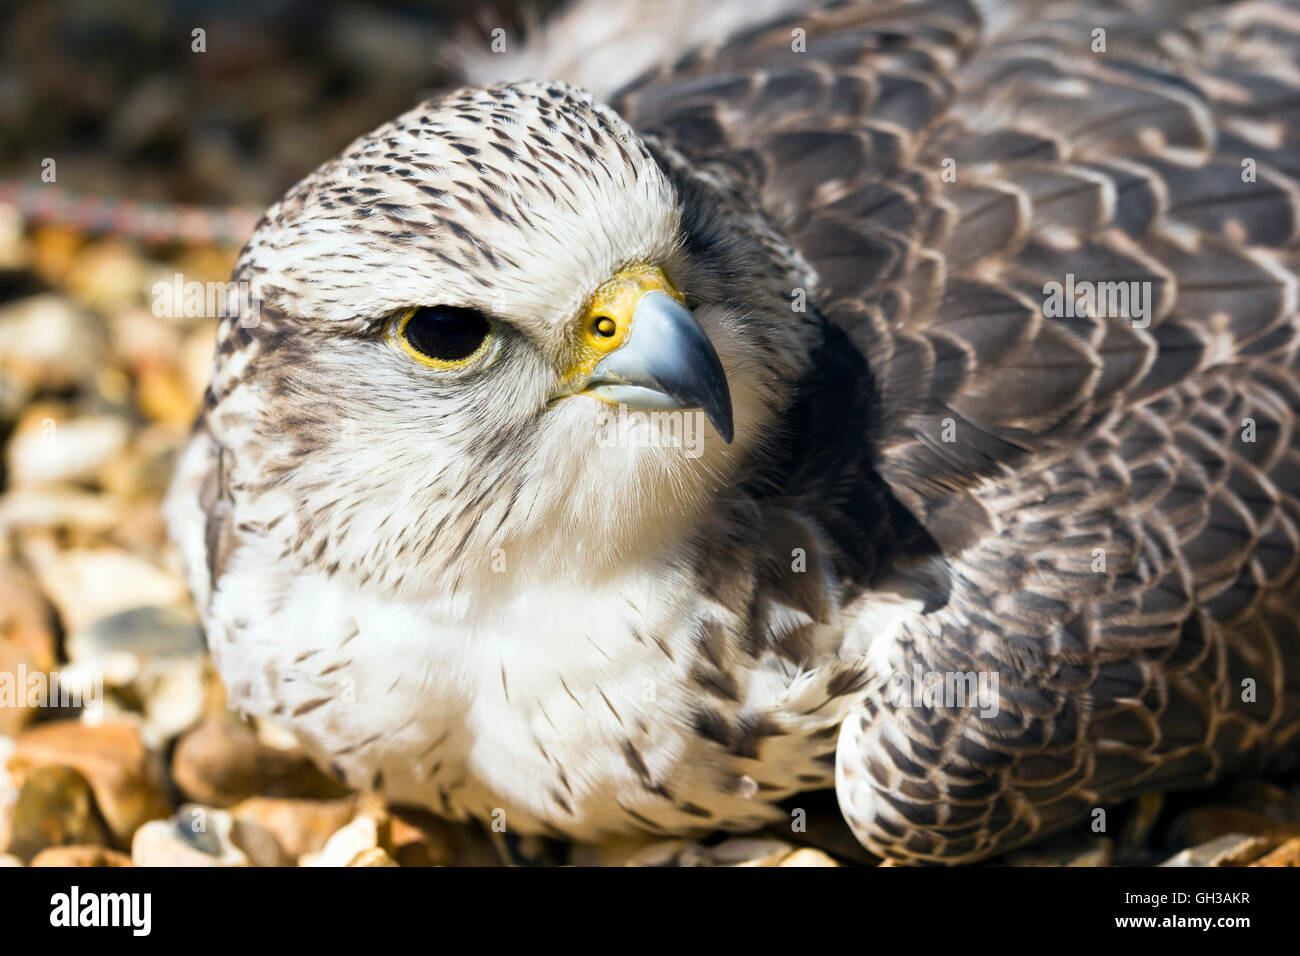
722 422
668 354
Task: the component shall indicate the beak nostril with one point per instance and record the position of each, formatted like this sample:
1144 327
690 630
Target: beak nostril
663 360
605 327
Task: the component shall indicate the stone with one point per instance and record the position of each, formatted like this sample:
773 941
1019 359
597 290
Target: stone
808 857
259 846
357 844
83 856
13 251
1232 849
195 836
58 507
7 859
221 762
143 634
87 584
163 390
55 807
143 471
418 838
627 850
276 831
126 778
46 342
8 789
375 856
49 447
1204 824
658 853
157 654
108 274
749 851
1288 854
27 643
52 252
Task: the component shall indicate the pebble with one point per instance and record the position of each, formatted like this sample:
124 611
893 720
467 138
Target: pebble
82 856
142 635
1288 854
195 836
1232 849
1204 824
276 831
747 851
418 838
108 273
375 856
55 807
27 643
83 512
164 393
48 447
808 857
48 343
126 779
87 584
13 252
8 788
642 850
356 844
142 471
221 762
659 853
157 654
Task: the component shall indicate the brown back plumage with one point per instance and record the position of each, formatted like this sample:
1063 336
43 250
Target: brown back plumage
1116 496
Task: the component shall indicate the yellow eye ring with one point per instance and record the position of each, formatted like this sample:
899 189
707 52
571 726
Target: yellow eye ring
442 337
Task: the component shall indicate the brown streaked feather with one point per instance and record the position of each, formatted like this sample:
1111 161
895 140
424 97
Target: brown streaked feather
1075 437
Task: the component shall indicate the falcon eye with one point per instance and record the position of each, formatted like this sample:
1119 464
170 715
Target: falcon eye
443 336
605 327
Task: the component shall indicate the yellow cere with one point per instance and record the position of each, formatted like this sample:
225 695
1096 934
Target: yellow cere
607 320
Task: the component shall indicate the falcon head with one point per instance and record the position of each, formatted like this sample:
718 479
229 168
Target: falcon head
501 334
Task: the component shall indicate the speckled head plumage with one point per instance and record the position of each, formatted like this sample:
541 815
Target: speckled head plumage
520 202
506 198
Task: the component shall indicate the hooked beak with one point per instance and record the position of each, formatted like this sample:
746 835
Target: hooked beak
650 351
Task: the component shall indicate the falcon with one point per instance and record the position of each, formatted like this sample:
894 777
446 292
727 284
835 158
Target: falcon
895 397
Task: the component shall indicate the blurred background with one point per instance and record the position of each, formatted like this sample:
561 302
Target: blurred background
134 150
114 91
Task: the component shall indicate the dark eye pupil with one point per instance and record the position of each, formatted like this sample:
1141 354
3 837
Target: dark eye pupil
447 333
